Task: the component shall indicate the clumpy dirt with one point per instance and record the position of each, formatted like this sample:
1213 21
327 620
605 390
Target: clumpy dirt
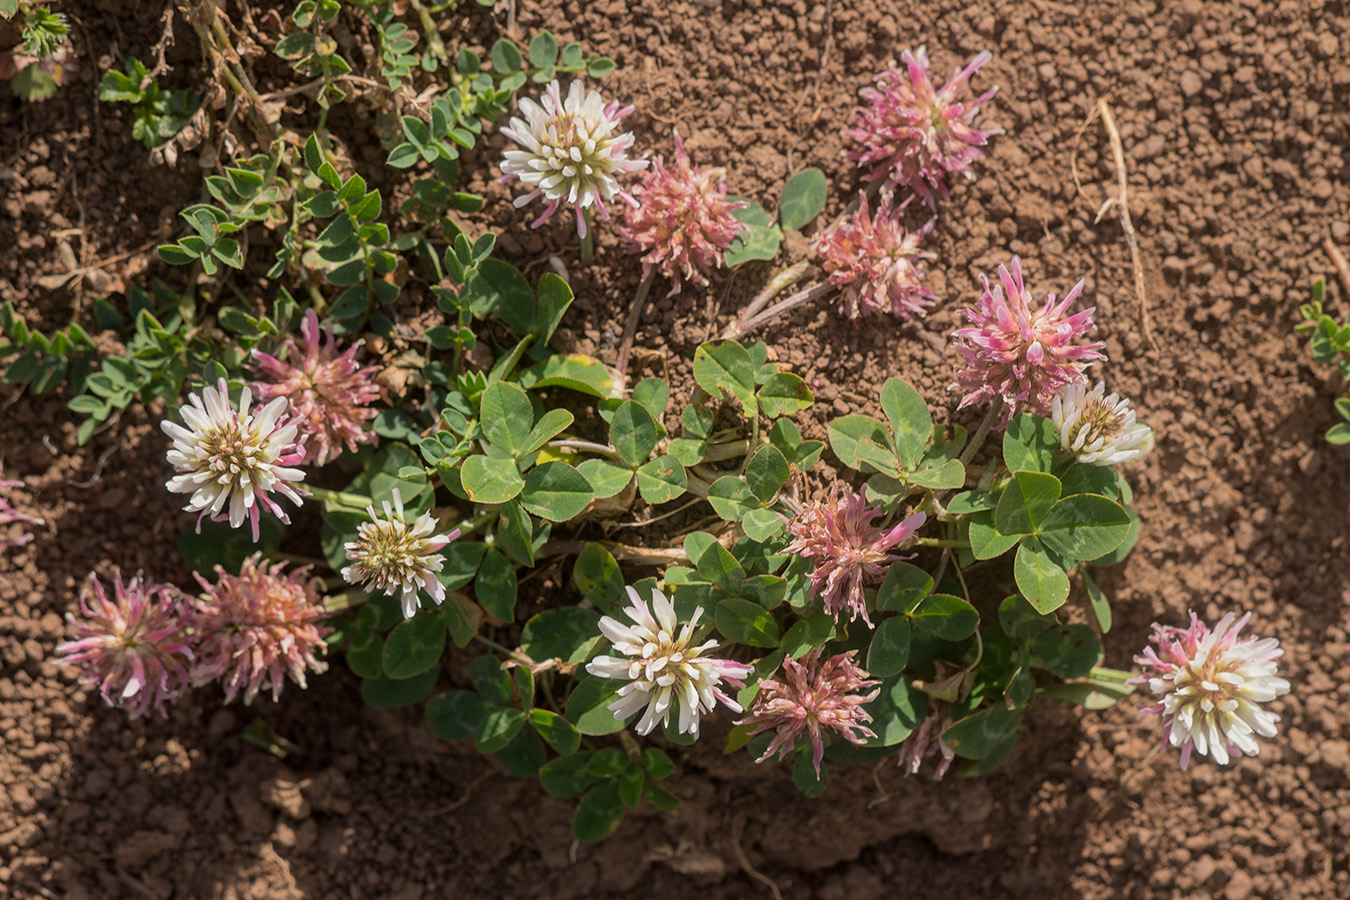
1236 148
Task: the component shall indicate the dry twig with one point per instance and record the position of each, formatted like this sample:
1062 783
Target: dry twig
1109 120
464 798
162 47
1073 154
737 827
1342 267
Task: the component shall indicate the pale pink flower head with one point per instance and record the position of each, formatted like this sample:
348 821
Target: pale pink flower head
1098 428
876 264
327 390
1211 685
683 220
9 515
849 551
812 697
1018 353
233 462
393 555
664 668
570 151
926 740
135 647
912 135
258 627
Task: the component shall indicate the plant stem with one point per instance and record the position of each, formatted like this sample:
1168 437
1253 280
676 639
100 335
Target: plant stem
588 239
468 526
1342 267
778 283
435 46
977 440
586 446
729 450
744 326
634 318
654 556
940 542
513 654
345 600
340 498
279 556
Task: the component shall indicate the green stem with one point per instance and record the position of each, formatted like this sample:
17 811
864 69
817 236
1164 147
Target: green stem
754 441
586 446
588 240
435 46
345 600
729 450
977 440
468 526
513 654
339 498
1102 673
279 556
940 542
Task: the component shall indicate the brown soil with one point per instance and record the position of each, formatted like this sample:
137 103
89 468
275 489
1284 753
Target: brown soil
1237 154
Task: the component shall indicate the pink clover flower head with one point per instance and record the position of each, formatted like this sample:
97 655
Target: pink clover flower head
1211 685
664 668
395 556
259 627
1099 429
850 552
570 151
1018 353
135 647
9 515
328 391
913 135
926 740
876 263
813 697
233 462
683 220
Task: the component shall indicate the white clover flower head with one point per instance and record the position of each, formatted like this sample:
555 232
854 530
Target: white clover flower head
232 462
570 151
392 555
1098 428
1211 685
664 669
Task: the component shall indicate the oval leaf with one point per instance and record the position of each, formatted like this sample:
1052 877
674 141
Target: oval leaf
555 491
414 646
889 650
803 198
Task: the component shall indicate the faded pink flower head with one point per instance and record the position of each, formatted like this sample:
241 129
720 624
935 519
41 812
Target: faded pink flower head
327 390
391 554
926 740
876 263
683 221
813 697
1022 355
9 515
136 648
233 462
849 550
1211 685
570 151
259 627
912 135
